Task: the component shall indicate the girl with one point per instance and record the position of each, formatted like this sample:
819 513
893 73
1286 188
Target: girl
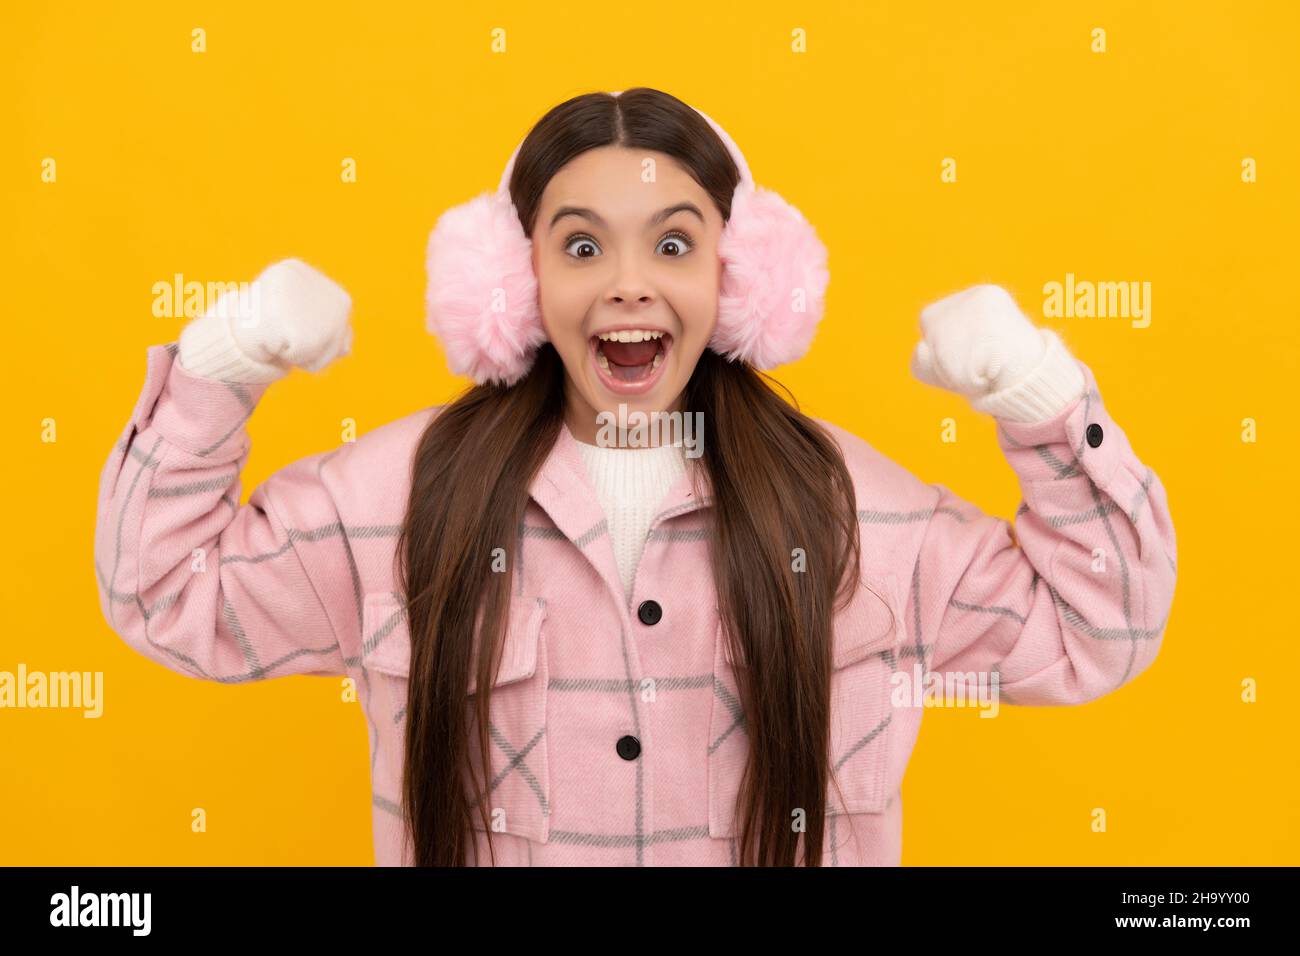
704 651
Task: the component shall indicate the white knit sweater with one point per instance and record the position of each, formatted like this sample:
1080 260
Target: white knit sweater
630 483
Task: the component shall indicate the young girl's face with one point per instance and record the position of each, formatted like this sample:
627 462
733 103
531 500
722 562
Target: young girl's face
626 241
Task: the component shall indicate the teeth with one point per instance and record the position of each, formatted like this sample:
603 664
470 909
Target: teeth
630 335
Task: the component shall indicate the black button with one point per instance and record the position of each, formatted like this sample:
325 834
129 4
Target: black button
649 612
628 747
1094 434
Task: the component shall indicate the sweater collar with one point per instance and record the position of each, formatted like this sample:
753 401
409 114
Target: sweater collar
563 489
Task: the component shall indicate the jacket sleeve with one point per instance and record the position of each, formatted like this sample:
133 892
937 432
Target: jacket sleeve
189 577
1072 602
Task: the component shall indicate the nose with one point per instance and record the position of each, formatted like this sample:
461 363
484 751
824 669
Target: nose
620 296
629 284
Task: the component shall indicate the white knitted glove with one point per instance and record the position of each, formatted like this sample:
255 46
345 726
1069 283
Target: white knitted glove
979 344
290 315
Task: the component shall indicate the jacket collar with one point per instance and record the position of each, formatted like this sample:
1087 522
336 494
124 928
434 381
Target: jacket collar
563 489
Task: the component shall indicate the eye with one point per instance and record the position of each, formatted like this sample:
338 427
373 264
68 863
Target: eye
583 240
677 239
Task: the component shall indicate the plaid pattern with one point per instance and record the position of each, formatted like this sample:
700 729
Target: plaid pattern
299 581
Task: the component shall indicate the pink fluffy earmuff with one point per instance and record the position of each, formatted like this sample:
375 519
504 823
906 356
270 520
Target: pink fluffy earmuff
482 297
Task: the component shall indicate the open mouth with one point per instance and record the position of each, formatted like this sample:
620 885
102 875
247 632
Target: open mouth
630 360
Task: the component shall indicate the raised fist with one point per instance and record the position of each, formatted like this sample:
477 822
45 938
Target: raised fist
290 315
979 344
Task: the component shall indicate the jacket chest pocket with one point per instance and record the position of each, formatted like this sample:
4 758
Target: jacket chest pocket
860 713
518 780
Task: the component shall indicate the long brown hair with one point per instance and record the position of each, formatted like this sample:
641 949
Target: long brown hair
779 483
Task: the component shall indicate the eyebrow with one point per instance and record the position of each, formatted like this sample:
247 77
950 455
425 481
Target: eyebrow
595 217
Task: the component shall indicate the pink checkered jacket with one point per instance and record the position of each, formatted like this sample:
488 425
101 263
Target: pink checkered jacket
618 741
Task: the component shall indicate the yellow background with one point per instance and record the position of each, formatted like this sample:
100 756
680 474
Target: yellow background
1119 166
